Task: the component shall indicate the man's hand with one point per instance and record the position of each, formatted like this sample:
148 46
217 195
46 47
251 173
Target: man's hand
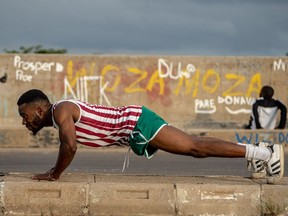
48 176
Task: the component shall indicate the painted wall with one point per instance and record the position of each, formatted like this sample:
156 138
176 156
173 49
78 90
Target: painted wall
48 137
188 91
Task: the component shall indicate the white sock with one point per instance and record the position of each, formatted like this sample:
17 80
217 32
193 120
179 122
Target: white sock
258 153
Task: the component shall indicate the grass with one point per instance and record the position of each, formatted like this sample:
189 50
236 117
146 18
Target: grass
270 208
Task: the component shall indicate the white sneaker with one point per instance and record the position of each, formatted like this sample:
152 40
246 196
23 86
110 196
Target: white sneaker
273 169
275 166
257 168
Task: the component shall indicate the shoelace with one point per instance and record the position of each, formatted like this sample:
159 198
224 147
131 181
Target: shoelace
126 160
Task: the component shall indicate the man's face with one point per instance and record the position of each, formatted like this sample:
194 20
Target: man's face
32 116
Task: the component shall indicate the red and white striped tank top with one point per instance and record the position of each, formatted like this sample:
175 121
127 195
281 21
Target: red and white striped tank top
100 125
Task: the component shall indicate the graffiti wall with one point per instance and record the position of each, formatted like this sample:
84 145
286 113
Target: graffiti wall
188 91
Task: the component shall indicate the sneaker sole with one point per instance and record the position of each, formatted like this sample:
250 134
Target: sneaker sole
258 175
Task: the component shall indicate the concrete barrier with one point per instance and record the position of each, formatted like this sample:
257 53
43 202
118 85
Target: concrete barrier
20 137
95 194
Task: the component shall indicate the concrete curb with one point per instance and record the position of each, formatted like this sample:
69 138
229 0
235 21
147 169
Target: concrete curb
98 194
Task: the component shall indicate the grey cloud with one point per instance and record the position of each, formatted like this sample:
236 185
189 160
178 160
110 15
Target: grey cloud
192 27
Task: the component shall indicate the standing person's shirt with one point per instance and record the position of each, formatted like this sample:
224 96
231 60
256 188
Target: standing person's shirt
264 114
99 125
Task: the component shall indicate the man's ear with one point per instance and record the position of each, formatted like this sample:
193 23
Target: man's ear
40 111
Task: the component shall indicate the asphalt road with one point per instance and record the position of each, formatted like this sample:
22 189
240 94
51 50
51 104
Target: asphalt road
110 161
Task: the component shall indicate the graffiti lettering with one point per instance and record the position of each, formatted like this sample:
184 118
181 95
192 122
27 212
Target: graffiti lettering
236 100
280 65
208 105
190 79
211 81
255 80
273 137
105 72
189 83
229 100
36 66
22 66
132 87
283 138
82 90
238 80
205 106
158 80
190 68
208 80
22 77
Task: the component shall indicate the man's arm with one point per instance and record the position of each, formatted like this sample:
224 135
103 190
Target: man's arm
64 116
256 115
283 115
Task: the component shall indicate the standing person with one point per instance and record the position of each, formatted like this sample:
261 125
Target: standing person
264 111
133 125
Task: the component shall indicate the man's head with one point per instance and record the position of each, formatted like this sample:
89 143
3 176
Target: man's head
267 92
33 107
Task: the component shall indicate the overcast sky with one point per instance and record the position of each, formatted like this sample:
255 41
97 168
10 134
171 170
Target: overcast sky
163 27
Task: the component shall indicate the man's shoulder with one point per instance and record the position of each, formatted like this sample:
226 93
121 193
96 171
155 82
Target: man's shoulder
66 105
264 102
65 102
280 103
258 101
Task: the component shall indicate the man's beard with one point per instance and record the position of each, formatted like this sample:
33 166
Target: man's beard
37 121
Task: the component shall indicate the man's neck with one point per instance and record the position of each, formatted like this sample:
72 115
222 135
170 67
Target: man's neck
48 118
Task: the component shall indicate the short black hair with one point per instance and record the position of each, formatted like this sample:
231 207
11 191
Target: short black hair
267 92
32 95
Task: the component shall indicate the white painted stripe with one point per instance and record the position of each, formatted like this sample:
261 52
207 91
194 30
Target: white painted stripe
220 196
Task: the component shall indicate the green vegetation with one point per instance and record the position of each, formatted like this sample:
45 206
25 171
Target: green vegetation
36 49
273 209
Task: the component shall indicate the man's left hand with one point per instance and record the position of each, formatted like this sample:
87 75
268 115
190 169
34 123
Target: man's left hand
46 176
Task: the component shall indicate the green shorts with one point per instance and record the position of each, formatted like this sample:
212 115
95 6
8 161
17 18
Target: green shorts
147 127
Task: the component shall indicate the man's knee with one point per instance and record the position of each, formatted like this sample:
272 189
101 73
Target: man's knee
198 154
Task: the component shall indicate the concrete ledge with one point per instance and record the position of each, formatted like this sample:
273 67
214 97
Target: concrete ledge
95 194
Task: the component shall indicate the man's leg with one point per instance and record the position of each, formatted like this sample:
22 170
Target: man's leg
173 140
